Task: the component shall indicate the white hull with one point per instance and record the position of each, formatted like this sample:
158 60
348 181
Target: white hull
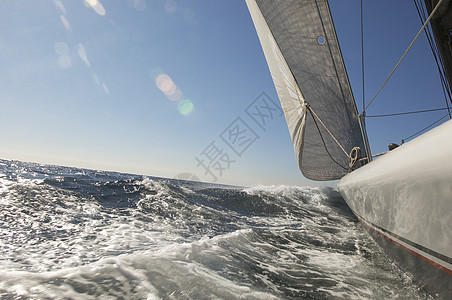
405 198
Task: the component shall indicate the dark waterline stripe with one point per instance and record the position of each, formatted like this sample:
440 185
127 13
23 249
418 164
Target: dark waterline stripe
440 267
413 244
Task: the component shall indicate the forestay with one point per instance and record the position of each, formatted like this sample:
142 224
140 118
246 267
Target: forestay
303 55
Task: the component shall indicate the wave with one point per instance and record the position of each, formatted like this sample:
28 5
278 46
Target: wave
237 265
75 233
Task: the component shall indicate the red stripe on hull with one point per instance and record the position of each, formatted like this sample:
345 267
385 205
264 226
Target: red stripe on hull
440 267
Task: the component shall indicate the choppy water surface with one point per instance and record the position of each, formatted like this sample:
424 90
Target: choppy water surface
83 234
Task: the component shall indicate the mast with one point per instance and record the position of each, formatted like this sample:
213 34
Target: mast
442 29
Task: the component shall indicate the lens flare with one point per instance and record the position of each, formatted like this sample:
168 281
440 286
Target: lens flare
170 6
176 96
106 90
90 3
61 48
166 85
60 7
185 107
139 5
64 62
82 53
99 9
164 82
96 79
96 6
65 22
172 91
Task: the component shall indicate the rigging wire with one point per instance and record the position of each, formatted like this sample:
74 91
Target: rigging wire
422 130
403 56
436 55
439 63
362 56
323 140
408 113
321 122
362 118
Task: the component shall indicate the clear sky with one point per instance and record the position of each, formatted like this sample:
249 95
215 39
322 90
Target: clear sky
150 86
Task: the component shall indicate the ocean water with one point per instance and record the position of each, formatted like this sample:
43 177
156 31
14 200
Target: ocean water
68 233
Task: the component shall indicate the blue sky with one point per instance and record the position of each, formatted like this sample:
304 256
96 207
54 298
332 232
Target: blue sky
150 87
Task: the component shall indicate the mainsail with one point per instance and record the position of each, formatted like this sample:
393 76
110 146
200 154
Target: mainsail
303 55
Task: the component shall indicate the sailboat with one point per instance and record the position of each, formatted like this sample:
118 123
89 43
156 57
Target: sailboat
403 197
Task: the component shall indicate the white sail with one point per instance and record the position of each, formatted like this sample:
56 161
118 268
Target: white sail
303 55
292 101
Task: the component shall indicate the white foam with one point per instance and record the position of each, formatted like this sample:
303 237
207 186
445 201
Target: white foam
61 244
172 271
